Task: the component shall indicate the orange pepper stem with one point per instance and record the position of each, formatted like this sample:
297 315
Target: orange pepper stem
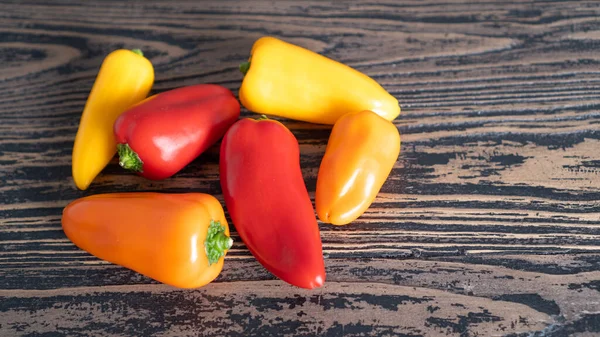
137 51
128 159
217 242
244 67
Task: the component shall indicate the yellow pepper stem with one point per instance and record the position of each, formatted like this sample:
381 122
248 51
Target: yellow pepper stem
217 242
137 51
244 67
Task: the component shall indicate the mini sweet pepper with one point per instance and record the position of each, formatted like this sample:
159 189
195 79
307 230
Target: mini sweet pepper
176 239
161 135
125 78
286 80
360 155
268 202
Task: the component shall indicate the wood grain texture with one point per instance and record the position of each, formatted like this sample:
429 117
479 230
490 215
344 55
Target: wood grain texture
489 224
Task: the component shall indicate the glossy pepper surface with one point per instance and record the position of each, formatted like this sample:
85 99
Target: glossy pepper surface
268 202
176 239
286 80
360 154
125 78
164 133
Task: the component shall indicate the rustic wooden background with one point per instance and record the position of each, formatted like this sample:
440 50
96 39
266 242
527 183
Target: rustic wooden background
489 224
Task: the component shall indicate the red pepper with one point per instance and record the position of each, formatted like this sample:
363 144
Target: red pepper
161 135
268 202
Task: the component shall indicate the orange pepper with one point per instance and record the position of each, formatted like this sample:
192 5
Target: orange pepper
360 154
176 239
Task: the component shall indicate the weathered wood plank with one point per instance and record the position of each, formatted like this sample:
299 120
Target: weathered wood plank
266 308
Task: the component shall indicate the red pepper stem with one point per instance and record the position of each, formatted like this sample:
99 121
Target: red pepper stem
137 51
128 159
244 67
262 118
217 242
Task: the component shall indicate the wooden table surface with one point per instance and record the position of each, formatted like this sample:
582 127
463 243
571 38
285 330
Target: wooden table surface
489 224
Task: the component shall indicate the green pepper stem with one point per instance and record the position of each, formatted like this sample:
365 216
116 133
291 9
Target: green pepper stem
217 242
137 51
128 159
244 67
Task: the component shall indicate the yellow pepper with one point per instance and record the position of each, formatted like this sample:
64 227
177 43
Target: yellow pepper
125 78
289 81
360 155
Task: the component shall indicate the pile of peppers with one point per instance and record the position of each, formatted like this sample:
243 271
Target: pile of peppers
181 239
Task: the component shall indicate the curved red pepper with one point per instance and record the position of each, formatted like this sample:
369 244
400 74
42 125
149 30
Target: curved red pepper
268 202
161 135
